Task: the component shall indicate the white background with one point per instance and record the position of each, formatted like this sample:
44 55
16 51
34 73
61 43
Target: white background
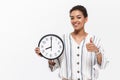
23 22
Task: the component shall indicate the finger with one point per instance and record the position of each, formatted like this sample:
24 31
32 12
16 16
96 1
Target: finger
37 48
91 40
90 45
51 62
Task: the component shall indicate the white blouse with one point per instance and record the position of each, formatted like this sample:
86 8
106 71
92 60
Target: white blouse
76 63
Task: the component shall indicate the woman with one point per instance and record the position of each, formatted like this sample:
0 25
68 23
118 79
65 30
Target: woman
83 54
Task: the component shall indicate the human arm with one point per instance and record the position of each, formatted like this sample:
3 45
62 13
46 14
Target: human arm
37 51
53 64
91 47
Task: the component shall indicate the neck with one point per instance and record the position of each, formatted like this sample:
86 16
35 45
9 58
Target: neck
79 33
79 36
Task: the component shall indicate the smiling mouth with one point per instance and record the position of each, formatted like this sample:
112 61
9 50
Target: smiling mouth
75 24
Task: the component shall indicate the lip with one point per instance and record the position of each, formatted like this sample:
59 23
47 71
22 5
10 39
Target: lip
75 24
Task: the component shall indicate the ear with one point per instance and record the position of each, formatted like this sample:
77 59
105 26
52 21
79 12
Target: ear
86 19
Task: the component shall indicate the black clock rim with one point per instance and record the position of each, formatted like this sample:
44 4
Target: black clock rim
55 36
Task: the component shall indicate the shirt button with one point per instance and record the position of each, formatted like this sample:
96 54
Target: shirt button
78 78
78 71
78 63
78 47
77 54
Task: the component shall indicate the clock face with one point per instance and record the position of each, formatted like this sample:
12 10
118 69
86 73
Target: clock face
51 46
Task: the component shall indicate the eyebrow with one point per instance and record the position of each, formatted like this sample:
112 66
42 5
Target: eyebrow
77 15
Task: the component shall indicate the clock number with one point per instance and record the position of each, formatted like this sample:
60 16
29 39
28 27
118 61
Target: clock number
58 43
56 39
60 46
46 39
46 53
42 46
58 51
55 54
43 42
50 55
43 51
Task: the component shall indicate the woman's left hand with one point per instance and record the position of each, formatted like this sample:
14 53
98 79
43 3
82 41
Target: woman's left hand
91 47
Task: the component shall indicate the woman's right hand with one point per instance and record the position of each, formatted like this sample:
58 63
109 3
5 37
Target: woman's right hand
51 62
37 51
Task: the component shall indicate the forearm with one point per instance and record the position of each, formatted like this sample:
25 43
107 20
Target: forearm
53 64
99 58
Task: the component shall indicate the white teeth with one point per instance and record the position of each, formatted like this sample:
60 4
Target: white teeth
75 24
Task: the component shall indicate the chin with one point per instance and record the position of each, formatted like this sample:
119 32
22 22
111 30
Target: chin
76 29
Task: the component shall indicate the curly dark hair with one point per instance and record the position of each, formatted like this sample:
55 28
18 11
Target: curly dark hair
80 8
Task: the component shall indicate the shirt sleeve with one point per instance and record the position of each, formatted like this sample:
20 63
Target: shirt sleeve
56 66
99 45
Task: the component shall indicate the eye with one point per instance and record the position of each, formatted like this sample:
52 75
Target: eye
71 18
79 17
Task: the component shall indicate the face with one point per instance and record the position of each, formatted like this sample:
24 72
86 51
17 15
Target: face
77 20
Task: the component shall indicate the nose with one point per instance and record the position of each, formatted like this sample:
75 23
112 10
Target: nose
75 20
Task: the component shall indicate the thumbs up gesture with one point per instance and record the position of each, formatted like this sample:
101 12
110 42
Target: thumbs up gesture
91 41
91 47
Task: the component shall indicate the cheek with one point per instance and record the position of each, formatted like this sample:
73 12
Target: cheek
72 22
82 22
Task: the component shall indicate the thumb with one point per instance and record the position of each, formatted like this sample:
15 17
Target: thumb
91 40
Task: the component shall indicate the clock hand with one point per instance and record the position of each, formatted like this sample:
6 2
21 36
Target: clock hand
48 47
51 43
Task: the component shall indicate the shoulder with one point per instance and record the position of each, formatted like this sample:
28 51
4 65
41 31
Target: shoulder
94 36
63 36
66 35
